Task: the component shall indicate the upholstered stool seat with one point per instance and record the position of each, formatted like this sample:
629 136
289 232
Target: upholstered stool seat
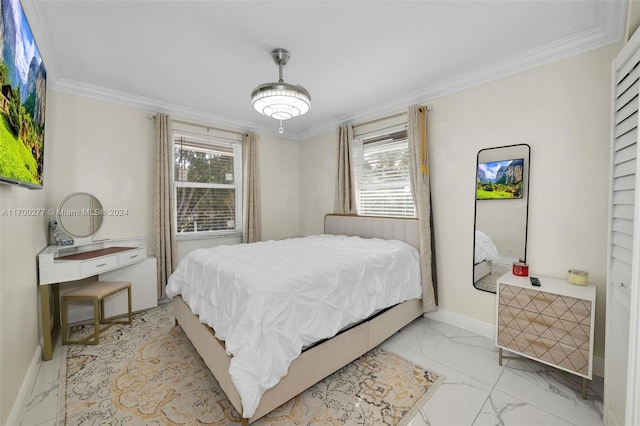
96 292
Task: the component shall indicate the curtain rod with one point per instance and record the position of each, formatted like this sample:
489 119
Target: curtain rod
211 127
189 123
429 107
207 138
380 119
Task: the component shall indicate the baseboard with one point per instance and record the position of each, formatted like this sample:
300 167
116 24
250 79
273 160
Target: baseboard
84 313
465 323
507 260
25 388
598 366
488 330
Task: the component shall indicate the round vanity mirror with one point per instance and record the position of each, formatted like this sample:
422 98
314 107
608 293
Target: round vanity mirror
79 214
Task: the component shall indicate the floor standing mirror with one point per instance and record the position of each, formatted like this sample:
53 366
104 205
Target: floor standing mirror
501 212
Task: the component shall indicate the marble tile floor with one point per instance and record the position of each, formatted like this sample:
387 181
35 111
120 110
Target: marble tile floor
476 390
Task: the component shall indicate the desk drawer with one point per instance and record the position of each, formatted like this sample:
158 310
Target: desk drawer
553 328
571 357
541 302
132 256
549 327
95 266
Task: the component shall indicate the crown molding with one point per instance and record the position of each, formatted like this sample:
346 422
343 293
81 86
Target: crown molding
576 44
609 31
154 105
145 103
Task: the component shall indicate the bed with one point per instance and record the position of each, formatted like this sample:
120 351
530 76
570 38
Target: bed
485 253
321 357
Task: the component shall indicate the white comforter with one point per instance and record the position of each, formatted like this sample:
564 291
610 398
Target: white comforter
268 300
485 249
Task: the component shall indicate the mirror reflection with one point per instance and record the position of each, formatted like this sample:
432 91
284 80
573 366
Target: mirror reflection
79 214
501 210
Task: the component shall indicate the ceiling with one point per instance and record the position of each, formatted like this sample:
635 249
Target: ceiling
358 59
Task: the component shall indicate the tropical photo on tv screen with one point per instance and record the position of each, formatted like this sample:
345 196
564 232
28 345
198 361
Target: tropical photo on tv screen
499 179
22 102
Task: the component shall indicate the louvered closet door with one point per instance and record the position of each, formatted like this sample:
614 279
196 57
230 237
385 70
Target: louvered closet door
624 154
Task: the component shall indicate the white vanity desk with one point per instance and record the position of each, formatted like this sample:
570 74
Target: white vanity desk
59 264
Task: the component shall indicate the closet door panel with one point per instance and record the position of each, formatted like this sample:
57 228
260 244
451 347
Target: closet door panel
617 365
623 232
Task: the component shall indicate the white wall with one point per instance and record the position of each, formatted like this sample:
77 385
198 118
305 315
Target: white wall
279 183
21 239
91 146
318 169
107 150
562 111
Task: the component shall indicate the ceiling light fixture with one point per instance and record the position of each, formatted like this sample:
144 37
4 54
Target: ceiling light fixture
280 100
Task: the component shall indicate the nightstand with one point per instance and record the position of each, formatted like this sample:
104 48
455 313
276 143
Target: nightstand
552 324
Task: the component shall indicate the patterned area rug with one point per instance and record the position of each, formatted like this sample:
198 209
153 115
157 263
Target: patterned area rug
148 373
490 282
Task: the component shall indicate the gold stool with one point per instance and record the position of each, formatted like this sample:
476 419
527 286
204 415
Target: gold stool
96 292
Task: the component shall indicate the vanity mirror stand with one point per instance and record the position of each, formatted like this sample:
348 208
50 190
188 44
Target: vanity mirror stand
501 212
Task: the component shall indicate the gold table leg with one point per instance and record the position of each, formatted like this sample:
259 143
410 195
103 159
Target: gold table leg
48 334
47 350
56 305
567 376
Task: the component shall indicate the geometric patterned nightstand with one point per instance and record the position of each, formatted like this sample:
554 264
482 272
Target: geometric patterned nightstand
552 324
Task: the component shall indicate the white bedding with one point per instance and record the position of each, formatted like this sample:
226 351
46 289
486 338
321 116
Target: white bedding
485 249
268 300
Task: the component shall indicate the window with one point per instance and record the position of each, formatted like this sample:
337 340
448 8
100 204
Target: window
208 184
381 169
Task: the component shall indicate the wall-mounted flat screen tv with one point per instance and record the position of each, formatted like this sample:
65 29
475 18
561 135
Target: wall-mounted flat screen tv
22 102
498 180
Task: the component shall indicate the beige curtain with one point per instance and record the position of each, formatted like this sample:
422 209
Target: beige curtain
345 191
164 220
419 168
252 220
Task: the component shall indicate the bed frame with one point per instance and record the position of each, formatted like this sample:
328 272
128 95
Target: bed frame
329 356
481 270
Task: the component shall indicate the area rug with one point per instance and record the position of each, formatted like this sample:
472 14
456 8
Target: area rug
148 373
490 282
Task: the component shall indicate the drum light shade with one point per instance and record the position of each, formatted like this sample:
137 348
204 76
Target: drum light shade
280 100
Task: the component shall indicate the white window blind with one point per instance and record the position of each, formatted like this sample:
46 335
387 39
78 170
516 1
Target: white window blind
381 169
207 175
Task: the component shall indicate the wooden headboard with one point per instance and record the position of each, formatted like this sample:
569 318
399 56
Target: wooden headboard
388 228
